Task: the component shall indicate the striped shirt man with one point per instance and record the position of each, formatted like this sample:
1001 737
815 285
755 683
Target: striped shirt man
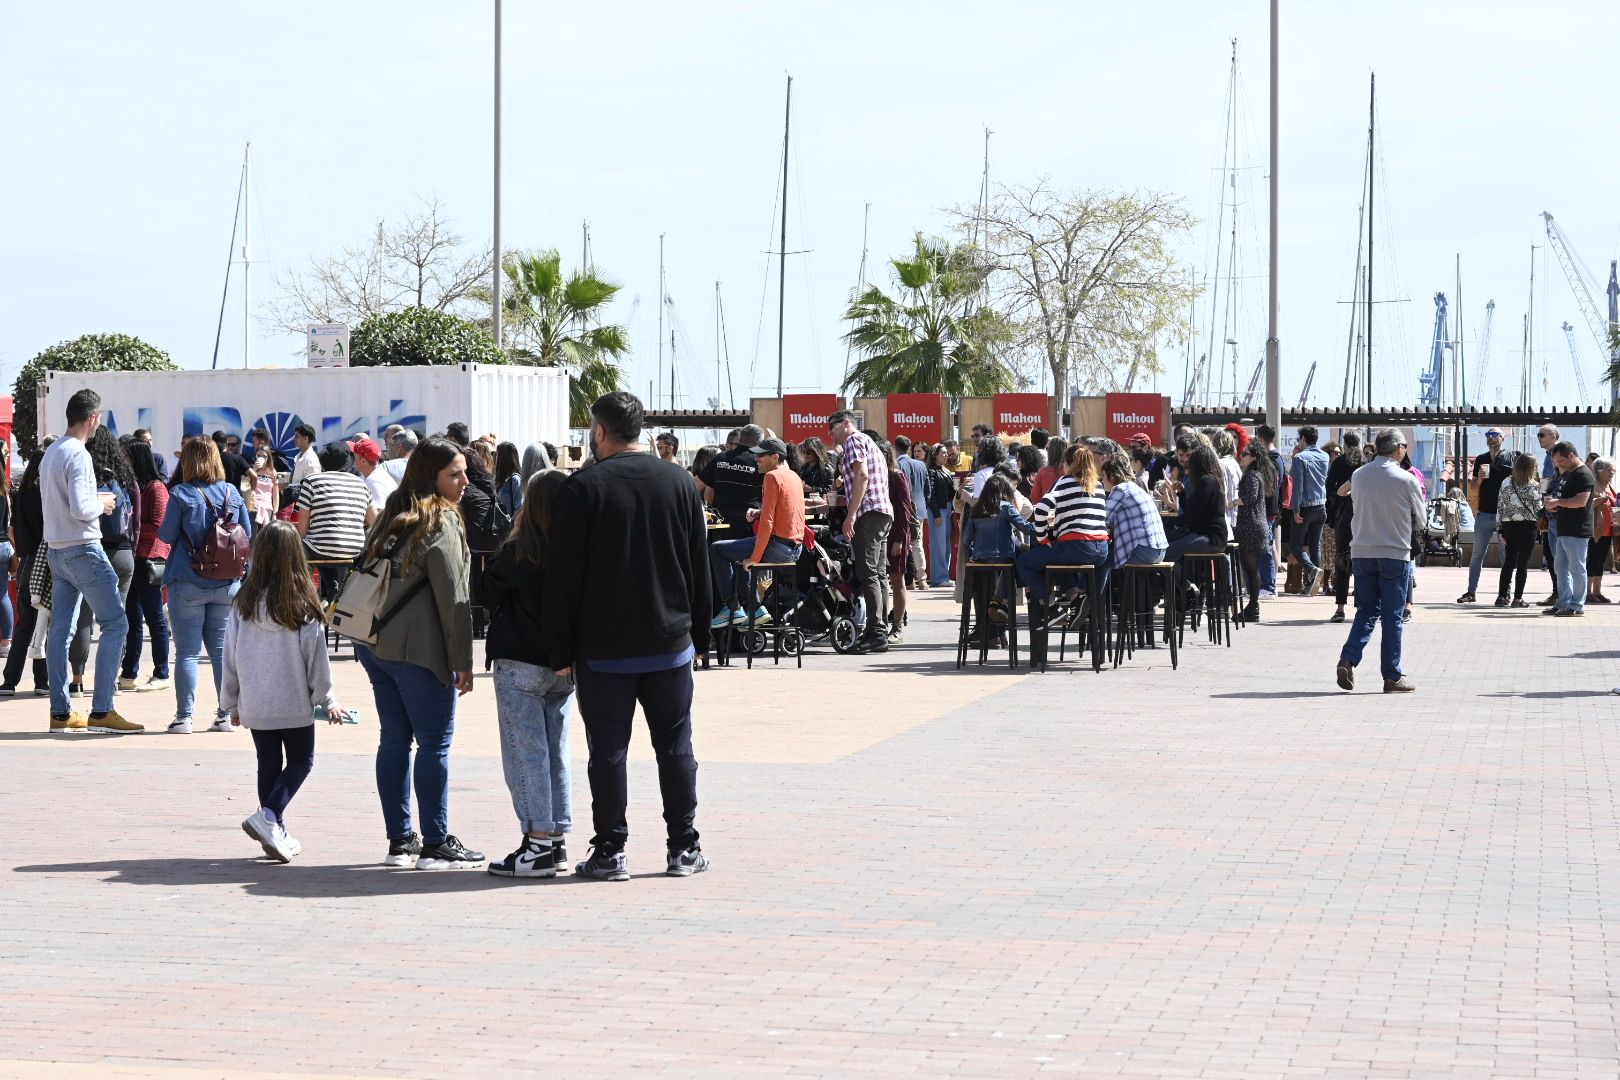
335 504
1070 512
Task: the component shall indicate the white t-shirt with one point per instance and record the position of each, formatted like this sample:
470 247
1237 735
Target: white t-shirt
395 468
382 485
1233 474
306 465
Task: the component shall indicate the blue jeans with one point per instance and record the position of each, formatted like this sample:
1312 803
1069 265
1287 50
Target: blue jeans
84 570
412 705
726 556
1569 567
1382 586
1032 563
7 616
1268 560
145 602
531 704
1484 531
198 613
1307 543
1147 553
939 549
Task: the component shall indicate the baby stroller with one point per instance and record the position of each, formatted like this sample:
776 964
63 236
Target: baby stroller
1441 531
827 607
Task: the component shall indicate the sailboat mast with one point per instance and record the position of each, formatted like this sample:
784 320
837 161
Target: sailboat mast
717 344
781 282
660 381
860 287
1530 332
247 258
1372 129
1210 355
230 257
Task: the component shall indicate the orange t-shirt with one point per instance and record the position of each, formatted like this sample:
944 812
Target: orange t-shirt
781 510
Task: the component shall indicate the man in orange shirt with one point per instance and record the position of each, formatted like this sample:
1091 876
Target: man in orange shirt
778 532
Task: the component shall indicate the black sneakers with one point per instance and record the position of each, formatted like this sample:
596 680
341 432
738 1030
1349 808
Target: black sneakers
688 862
605 864
403 852
534 858
559 853
877 643
451 854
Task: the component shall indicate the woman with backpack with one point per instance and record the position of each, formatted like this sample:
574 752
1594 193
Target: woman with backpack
144 606
207 527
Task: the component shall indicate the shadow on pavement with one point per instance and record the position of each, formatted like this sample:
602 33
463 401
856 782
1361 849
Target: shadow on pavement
1282 694
1550 694
1601 654
262 877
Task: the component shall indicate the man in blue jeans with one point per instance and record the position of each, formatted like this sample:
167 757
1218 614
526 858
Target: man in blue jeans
80 570
1309 473
1389 513
1569 506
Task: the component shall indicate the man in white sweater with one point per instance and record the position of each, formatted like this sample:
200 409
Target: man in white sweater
80 570
1389 513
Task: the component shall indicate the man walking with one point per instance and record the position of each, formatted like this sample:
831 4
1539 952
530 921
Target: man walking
1309 473
1569 506
80 570
1389 512
1490 469
626 607
866 526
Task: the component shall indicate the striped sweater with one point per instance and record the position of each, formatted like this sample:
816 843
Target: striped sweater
1068 509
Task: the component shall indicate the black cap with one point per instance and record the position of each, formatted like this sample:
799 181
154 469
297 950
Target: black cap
769 446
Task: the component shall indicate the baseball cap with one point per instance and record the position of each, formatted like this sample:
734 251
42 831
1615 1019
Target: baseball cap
1141 438
769 446
366 448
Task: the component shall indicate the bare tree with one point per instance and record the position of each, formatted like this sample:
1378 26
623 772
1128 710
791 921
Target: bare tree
1089 280
419 262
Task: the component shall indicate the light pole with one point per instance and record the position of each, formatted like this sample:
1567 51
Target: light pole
1273 346
496 319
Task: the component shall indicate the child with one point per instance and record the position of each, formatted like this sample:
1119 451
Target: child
276 675
989 530
531 699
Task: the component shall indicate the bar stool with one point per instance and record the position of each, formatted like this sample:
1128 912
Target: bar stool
781 600
977 575
1218 605
1096 615
1135 606
1233 559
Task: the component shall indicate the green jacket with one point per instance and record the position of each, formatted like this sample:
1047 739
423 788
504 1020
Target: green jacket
434 628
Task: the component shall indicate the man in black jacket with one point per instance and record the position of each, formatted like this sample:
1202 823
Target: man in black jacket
627 607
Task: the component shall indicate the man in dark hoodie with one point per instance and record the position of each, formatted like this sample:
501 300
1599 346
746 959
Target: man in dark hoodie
626 608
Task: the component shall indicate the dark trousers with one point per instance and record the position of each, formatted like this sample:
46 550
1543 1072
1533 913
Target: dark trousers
607 702
1307 538
1520 538
280 777
23 632
1341 558
1597 558
145 605
871 548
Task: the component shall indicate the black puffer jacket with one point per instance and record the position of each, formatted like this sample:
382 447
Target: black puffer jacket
510 591
487 523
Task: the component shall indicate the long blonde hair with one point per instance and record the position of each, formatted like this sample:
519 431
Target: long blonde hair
1083 468
416 510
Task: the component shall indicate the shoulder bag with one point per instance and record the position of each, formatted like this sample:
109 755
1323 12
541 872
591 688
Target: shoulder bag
363 606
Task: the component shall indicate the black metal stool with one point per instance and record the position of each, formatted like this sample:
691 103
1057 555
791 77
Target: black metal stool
974 576
1234 560
1218 604
781 601
1096 627
1136 605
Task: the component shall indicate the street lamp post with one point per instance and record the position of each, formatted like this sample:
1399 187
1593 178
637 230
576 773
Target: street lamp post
1273 346
496 291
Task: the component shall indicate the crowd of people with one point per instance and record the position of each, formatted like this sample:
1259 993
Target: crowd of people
598 587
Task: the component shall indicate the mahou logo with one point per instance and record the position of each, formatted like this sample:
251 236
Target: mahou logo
913 418
1019 419
807 419
1133 418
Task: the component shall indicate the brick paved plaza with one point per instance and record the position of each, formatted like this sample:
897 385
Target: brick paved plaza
1233 870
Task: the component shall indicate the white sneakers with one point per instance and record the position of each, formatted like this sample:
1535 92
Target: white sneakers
222 723
183 727
271 836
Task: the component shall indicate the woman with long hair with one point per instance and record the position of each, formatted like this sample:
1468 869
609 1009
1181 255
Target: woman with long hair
119 531
941 496
1518 506
531 699
422 661
814 467
508 479
899 542
1071 521
145 602
1201 524
198 606
1259 476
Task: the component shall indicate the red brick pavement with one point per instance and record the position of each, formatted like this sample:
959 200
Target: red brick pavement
1230 870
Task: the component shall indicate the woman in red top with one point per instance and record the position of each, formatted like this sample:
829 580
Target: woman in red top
145 601
1597 552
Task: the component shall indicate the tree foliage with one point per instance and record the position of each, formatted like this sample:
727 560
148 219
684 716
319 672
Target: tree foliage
930 336
419 262
417 337
1088 279
547 316
92 352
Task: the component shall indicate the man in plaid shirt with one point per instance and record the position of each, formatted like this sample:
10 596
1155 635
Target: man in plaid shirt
1134 523
866 492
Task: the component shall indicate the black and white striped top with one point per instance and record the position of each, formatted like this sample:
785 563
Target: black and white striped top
336 503
1068 509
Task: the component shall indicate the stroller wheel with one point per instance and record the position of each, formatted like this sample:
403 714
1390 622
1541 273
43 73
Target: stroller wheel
792 642
844 634
753 642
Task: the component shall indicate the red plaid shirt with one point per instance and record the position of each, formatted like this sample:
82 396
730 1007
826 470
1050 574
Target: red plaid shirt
857 447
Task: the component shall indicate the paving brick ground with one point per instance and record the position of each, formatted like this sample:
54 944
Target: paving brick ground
1233 870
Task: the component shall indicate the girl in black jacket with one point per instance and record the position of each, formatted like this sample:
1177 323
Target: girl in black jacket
531 699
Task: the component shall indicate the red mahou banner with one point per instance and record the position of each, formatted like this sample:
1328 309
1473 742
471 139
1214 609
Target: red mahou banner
919 417
1022 412
1131 413
805 415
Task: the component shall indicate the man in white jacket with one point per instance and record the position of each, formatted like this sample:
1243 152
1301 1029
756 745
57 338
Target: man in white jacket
80 569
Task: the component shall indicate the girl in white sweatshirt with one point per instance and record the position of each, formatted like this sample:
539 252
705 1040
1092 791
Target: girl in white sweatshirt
276 677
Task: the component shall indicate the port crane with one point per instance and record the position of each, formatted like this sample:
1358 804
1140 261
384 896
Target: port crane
1575 358
1430 381
1578 276
1484 349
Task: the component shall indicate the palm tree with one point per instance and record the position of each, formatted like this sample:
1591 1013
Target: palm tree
548 319
934 336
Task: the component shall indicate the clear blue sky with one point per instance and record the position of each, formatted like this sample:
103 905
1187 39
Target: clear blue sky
124 127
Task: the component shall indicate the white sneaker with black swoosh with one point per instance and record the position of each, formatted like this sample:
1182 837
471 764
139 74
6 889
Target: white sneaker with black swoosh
534 858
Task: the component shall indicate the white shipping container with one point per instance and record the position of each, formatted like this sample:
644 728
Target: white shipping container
520 404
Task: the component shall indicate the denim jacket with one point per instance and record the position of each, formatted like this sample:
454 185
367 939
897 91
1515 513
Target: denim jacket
991 539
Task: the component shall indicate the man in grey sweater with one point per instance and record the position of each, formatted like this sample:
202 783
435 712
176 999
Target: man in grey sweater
1389 513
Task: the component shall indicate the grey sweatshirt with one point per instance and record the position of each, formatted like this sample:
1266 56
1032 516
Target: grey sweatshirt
274 678
67 492
1389 510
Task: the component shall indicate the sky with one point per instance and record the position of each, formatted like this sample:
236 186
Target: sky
124 128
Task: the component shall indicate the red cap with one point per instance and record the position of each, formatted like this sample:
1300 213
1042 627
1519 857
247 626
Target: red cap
1141 437
367 449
